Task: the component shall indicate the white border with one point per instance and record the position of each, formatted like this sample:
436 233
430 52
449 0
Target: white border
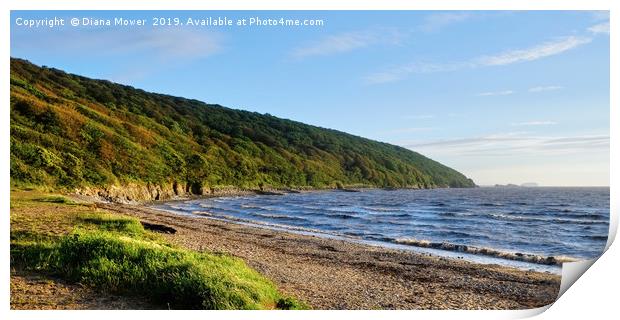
600 286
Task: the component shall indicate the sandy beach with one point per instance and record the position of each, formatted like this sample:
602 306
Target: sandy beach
338 274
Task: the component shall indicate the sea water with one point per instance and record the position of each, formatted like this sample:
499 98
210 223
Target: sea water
530 228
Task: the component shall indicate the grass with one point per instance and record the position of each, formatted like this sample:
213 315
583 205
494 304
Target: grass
112 223
56 199
114 254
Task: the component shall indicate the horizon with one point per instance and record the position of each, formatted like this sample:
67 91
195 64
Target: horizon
553 131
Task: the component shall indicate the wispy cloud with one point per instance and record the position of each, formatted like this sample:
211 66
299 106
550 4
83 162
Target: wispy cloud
131 55
406 130
185 44
436 21
540 51
162 44
403 71
536 52
534 123
544 88
420 117
600 28
346 42
495 93
513 144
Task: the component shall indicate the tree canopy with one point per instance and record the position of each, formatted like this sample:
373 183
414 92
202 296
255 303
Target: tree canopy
69 131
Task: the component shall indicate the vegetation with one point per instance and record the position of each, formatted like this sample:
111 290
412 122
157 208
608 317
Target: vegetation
115 254
69 131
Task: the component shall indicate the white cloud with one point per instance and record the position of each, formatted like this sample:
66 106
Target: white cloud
436 21
346 42
534 123
511 144
536 52
131 55
543 50
600 28
172 43
495 93
517 157
165 43
420 117
403 71
545 88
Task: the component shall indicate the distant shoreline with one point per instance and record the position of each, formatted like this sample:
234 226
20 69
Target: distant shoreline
140 194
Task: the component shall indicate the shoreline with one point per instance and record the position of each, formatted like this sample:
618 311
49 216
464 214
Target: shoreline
477 254
339 274
141 194
521 261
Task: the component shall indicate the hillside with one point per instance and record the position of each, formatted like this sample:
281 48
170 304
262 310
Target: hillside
69 132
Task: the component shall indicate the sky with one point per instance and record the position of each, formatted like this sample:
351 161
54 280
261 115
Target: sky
501 96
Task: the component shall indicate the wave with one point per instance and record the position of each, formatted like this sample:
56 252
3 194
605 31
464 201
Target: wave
553 220
202 213
399 215
591 216
252 206
342 216
438 204
382 209
277 216
596 238
491 204
558 205
345 209
564 210
516 256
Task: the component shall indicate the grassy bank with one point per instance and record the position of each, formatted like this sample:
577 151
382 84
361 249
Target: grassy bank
114 254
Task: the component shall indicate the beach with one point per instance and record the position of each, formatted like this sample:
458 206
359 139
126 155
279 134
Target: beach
337 274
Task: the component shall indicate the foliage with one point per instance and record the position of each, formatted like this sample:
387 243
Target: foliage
115 254
68 131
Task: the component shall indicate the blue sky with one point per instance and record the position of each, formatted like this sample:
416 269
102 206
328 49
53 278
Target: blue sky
504 97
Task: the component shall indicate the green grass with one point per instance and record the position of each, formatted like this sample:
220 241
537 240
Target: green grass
112 223
115 254
55 199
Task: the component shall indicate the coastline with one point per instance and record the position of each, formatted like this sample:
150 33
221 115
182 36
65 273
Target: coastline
338 274
134 193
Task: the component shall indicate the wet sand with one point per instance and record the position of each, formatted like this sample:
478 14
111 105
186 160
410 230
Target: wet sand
338 274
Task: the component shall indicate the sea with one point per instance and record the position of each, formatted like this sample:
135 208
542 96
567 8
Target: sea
531 228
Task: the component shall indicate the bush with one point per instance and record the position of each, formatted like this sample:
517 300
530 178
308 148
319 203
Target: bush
118 257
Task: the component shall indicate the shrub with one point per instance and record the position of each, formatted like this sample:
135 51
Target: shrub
118 256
